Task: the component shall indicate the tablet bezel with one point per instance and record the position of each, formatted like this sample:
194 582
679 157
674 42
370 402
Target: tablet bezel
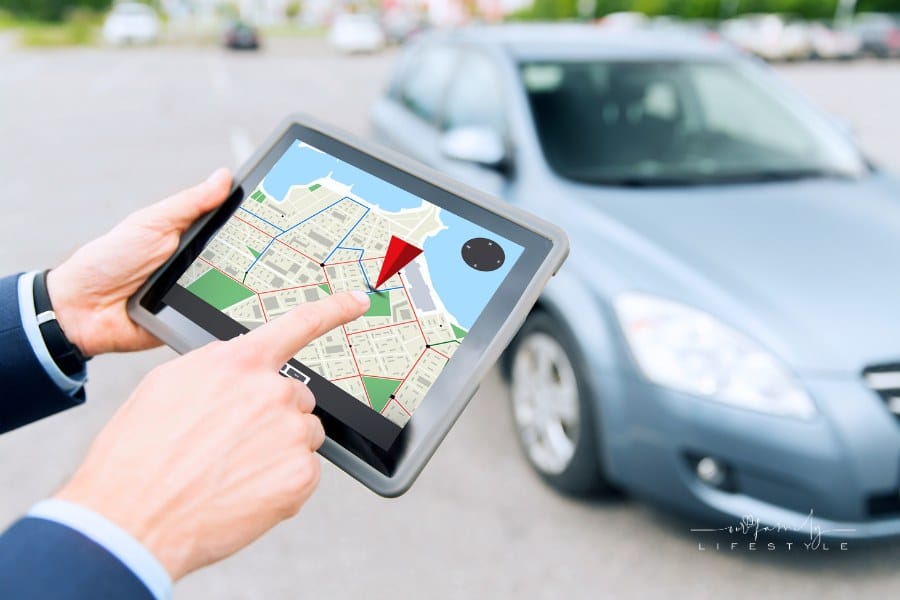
387 472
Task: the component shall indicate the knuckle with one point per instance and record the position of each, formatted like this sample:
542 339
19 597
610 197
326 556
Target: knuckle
282 392
299 484
305 397
298 429
316 432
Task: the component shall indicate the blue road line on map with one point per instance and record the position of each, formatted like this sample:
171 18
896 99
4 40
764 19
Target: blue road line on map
366 277
362 252
383 290
258 256
295 225
318 212
330 254
261 219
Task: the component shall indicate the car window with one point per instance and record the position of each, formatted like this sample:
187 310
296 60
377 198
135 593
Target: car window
426 81
475 97
724 94
673 122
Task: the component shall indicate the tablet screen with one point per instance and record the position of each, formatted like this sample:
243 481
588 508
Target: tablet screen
316 225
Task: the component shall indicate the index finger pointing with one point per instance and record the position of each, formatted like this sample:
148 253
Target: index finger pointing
280 339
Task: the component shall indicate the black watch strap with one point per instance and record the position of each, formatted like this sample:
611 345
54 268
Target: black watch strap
65 354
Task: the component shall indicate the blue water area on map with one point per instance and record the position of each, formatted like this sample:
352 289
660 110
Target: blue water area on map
301 164
463 290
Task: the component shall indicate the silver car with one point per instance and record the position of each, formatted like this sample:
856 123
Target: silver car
725 338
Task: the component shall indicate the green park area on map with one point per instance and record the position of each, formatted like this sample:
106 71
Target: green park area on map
218 289
380 305
380 390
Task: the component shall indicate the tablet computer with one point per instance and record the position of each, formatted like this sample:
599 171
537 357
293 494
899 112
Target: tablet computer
451 272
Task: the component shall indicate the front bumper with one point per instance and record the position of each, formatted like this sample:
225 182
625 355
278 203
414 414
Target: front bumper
838 474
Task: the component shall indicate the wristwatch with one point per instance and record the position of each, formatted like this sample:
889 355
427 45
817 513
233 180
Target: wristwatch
65 354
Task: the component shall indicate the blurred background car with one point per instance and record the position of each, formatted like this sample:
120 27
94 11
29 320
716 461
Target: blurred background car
356 33
131 23
624 20
828 43
879 33
715 342
401 24
771 37
240 35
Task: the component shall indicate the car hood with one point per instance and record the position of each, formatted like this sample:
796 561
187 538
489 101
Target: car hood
809 268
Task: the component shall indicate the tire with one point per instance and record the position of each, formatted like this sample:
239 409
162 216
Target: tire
553 408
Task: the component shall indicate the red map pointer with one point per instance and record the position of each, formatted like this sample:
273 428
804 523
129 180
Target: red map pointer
399 254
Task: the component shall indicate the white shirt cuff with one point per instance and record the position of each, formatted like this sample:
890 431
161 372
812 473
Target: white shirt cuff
69 385
113 538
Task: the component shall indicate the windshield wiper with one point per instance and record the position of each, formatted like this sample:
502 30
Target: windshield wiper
780 175
712 179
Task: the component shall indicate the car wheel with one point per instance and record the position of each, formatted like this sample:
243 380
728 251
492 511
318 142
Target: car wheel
552 408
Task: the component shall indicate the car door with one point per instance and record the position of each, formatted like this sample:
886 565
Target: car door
408 119
475 98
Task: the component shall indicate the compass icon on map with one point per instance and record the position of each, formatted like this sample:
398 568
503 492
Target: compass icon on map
483 254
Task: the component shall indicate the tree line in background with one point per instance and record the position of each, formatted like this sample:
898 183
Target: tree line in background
695 9
51 10
56 10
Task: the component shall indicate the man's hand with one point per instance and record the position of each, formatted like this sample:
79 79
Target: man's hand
213 448
90 289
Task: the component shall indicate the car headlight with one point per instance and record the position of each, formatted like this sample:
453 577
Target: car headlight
689 350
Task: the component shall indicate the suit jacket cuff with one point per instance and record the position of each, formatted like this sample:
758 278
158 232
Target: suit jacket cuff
111 537
68 385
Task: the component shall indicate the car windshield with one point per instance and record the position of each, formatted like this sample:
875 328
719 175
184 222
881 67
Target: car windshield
671 123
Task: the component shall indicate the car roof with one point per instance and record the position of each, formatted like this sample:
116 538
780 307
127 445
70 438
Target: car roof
584 42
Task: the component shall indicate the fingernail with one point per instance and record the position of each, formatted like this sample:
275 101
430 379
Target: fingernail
217 176
361 297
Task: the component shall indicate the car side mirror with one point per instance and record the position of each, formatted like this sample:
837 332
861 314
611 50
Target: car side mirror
475 144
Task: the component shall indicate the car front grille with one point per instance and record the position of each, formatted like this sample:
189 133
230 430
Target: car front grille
885 381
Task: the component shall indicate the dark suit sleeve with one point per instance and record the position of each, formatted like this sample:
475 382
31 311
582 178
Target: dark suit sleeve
26 391
43 560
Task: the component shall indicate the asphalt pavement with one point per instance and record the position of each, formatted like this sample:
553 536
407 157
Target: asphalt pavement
87 136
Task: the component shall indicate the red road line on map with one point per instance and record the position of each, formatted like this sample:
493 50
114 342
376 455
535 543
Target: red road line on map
351 262
304 255
270 236
265 316
344 378
397 402
296 287
380 327
380 376
441 353
356 364
252 225
350 347
413 368
227 275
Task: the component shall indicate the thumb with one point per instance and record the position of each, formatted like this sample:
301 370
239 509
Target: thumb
178 211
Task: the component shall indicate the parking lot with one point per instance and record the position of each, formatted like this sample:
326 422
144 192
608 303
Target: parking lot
87 136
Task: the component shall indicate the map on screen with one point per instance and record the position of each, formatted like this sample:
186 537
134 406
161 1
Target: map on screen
316 225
